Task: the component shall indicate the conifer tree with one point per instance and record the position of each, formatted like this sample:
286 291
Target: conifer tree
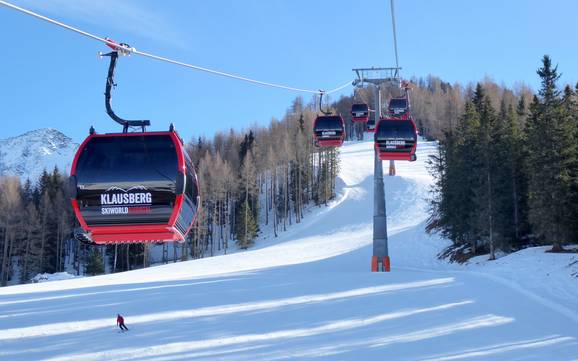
246 226
568 143
95 264
513 220
549 142
30 247
465 176
482 174
246 229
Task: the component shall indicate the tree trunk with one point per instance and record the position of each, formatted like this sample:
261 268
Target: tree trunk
115 258
144 255
11 252
165 253
326 176
128 256
222 221
267 209
234 218
226 221
515 201
286 205
312 177
103 256
4 279
77 257
26 253
490 217
273 196
58 248
216 219
319 173
246 207
557 247
298 198
42 241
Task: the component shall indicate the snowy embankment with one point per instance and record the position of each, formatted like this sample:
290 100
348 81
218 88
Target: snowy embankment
309 295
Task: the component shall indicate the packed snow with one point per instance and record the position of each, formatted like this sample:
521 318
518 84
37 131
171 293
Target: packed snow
49 277
309 295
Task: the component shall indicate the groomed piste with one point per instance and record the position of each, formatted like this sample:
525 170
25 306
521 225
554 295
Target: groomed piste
307 295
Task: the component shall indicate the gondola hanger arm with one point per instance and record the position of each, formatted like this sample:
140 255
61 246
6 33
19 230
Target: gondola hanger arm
122 49
321 93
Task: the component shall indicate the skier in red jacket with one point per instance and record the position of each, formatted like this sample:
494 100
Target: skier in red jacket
120 322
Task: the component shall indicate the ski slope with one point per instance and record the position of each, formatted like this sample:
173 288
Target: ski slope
307 295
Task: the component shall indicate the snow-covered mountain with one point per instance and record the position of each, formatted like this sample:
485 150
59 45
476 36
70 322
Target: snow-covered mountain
29 154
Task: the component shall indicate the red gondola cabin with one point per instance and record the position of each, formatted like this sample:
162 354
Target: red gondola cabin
329 130
360 112
396 139
370 125
134 187
399 107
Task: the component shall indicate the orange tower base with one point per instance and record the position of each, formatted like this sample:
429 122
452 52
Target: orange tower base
383 266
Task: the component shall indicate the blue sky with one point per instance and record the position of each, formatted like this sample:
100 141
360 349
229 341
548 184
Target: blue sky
53 78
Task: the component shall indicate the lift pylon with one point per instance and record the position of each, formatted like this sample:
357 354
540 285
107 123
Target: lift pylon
377 77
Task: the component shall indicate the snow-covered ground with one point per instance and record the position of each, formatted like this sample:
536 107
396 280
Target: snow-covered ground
50 277
309 295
